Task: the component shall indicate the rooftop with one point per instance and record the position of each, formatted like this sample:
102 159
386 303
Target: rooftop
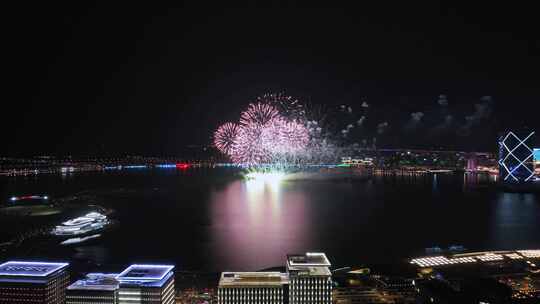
311 263
30 269
316 259
145 275
145 272
96 281
253 279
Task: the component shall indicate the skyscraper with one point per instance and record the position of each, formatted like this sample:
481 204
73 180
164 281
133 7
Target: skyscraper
310 279
152 284
95 288
516 161
252 287
33 282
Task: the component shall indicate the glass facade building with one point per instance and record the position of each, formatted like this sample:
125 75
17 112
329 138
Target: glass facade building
146 284
95 288
33 282
310 279
516 156
252 287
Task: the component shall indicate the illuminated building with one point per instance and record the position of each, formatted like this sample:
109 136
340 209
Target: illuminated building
536 157
475 258
252 287
95 288
33 282
310 278
152 284
516 157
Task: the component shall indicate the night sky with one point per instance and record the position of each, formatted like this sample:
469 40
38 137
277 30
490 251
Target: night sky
142 79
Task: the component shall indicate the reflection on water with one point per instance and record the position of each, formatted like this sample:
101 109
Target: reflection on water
212 221
253 227
515 213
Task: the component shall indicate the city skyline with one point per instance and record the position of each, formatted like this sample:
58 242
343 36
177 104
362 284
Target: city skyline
270 153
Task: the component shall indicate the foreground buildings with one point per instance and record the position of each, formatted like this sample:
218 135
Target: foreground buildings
252 287
152 284
308 280
95 288
33 282
146 284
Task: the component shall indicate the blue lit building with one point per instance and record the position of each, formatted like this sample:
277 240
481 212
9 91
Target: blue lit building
33 282
516 156
95 288
146 284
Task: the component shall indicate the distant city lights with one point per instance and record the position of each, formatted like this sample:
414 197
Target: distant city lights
136 167
28 197
164 166
183 165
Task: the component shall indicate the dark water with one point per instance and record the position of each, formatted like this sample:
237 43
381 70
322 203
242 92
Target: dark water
210 219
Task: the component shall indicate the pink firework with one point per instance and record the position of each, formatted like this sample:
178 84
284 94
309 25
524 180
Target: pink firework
258 113
294 136
264 135
250 145
225 136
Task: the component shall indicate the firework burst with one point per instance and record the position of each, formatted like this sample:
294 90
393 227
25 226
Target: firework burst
264 133
225 136
258 113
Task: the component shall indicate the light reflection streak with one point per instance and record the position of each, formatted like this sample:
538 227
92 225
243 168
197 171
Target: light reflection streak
257 222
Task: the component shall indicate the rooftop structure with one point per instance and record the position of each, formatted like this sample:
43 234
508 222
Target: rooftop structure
29 269
146 284
311 263
33 282
310 278
95 288
252 287
249 279
96 281
145 274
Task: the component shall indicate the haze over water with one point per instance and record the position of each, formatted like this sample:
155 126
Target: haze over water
211 219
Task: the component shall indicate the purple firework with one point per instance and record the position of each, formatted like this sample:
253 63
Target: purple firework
263 135
225 136
258 113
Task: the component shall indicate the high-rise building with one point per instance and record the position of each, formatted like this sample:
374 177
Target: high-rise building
310 278
152 284
252 287
516 161
33 282
95 288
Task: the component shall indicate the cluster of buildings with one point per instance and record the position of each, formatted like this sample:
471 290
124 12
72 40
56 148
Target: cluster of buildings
49 283
482 277
307 280
479 277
